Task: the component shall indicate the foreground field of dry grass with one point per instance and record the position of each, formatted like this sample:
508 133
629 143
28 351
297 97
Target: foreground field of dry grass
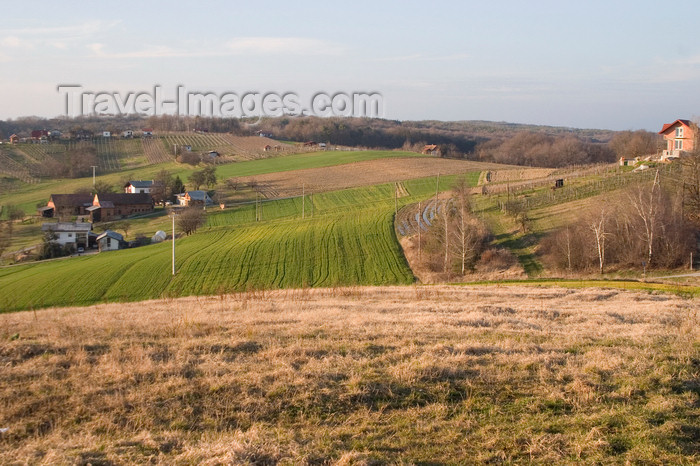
356 376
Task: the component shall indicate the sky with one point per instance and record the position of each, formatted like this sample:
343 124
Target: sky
612 65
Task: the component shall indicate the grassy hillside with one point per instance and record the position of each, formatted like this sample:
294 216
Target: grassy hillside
391 375
349 240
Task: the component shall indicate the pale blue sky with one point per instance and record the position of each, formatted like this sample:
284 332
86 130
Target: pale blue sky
593 64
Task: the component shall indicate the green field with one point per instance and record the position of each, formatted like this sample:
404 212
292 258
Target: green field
349 241
33 194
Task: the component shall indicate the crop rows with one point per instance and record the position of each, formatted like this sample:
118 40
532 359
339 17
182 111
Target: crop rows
155 152
323 252
14 169
350 240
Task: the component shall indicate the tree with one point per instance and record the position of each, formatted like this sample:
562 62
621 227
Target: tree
633 144
79 161
50 247
189 219
467 233
691 183
209 176
232 184
5 236
14 212
102 187
646 205
197 178
598 225
178 186
162 187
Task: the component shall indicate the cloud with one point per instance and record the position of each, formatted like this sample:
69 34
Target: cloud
282 45
238 46
74 31
10 42
423 57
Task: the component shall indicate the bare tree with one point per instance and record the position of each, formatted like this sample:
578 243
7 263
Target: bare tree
189 219
646 204
691 184
598 225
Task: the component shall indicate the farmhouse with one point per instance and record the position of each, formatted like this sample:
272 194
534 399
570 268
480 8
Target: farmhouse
192 198
680 138
73 233
127 134
14 139
66 205
106 134
140 186
147 132
106 207
431 149
110 241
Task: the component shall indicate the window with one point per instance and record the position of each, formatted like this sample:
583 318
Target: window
70 235
678 144
679 132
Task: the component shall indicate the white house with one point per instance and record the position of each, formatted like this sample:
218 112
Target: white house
147 132
198 197
110 241
140 186
127 134
106 134
69 233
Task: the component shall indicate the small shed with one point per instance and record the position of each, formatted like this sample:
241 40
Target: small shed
106 134
110 241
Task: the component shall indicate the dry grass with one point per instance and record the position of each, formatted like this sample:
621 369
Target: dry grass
356 376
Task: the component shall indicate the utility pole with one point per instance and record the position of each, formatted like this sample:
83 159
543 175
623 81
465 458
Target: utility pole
437 186
93 174
396 199
303 200
420 213
172 213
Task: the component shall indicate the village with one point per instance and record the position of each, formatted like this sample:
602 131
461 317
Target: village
76 214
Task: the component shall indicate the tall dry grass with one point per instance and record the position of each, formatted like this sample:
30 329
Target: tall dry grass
355 376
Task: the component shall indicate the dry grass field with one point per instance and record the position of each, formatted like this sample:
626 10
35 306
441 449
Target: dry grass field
365 173
410 375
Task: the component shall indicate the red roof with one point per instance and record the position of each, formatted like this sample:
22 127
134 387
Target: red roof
668 126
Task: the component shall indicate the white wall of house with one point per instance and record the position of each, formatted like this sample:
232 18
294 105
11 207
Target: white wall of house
64 237
133 190
70 237
108 244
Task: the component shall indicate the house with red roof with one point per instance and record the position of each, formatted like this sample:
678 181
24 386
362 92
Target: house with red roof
680 137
